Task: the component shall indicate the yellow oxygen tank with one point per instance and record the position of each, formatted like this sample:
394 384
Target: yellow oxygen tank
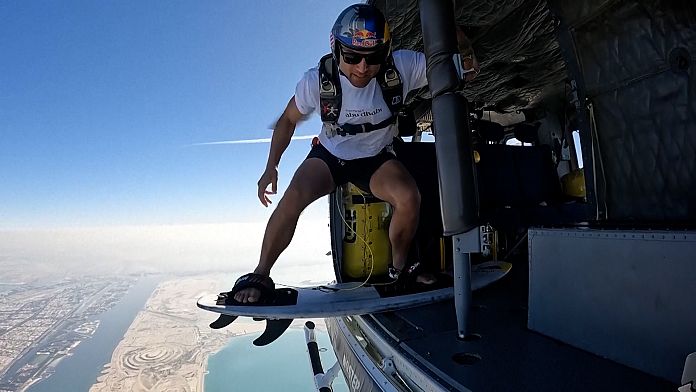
366 243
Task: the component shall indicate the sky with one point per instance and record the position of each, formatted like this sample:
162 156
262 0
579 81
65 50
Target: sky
114 118
110 111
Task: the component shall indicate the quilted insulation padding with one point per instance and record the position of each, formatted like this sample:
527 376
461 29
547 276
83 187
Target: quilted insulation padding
513 40
645 112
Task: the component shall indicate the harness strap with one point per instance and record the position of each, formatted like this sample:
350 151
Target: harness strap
389 81
354 129
329 90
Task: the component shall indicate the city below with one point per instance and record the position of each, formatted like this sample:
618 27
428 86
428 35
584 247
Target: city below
164 345
42 323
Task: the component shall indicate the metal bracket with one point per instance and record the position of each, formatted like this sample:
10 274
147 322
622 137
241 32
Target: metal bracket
488 241
469 242
464 244
388 366
476 241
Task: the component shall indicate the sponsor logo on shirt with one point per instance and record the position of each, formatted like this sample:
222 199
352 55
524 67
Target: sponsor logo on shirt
362 113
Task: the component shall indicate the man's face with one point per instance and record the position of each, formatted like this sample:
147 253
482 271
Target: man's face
360 73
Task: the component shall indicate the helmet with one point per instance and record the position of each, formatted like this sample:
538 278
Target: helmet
360 27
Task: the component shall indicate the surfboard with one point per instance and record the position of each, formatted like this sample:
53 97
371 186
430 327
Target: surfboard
342 299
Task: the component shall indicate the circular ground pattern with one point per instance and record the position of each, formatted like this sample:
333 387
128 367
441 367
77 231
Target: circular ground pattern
155 356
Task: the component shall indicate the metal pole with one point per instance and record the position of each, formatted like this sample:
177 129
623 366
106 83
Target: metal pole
322 383
462 290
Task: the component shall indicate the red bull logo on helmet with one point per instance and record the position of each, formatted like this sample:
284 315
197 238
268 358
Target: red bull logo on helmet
361 26
364 34
364 38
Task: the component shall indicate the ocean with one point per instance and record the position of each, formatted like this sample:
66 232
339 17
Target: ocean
281 366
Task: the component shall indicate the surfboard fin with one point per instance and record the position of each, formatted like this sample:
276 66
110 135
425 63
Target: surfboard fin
222 321
274 328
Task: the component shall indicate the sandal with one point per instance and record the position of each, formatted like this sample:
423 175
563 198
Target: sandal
408 272
260 282
406 280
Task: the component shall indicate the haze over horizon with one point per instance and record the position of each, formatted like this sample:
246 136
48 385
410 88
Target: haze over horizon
204 248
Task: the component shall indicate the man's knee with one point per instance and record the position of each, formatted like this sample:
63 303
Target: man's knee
293 200
409 201
296 199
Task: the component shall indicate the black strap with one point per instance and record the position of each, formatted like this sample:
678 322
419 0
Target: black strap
260 282
329 90
389 80
354 129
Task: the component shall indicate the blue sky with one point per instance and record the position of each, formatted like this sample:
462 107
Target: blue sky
102 103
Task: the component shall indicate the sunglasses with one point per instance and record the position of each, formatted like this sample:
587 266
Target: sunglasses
373 58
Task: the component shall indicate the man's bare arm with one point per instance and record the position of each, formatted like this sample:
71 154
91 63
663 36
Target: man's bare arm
283 131
282 134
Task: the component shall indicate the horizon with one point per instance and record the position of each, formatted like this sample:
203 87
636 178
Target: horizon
229 248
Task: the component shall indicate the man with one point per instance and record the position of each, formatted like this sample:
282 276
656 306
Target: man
361 47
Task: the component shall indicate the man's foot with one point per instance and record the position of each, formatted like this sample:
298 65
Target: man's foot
413 279
252 288
248 296
412 272
426 278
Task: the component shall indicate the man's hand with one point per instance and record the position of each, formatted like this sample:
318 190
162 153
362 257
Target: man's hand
269 176
470 64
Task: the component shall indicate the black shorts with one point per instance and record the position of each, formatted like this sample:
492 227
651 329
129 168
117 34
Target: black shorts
357 171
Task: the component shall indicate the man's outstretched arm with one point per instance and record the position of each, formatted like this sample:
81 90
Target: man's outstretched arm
282 133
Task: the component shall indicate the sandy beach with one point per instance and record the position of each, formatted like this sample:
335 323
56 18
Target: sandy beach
168 344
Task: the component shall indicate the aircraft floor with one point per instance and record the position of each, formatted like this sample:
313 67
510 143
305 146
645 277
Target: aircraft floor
512 358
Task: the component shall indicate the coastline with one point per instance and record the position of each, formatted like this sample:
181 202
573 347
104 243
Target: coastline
169 342
201 380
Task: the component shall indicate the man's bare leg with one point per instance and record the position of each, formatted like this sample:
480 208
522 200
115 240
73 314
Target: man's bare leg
311 181
395 185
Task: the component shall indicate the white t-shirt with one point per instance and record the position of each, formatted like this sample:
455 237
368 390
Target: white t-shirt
361 105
